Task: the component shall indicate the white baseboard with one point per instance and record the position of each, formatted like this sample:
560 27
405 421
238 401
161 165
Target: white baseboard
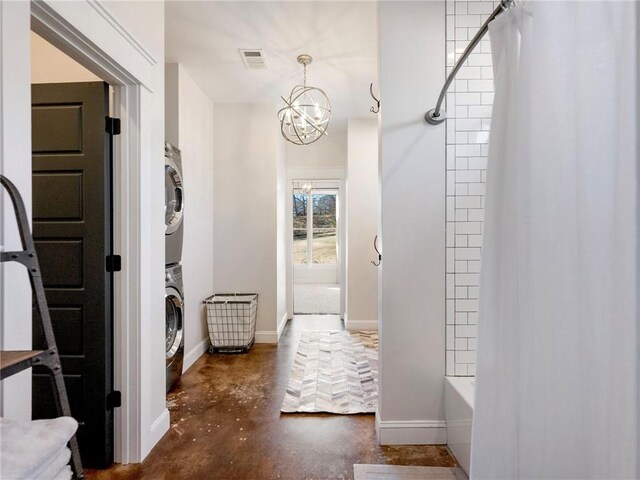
353 325
413 432
267 336
272 336
195 353
159 427
282 324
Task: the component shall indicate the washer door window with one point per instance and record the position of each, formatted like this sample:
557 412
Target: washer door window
173 199
174 310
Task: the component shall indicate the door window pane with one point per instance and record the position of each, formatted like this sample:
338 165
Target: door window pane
300 210
324 210
300 246
324 246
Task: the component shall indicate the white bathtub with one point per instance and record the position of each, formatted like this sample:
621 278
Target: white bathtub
458 400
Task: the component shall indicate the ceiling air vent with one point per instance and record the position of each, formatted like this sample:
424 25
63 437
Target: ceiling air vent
253 59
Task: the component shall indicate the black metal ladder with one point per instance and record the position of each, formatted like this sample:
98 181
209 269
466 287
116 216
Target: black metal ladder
12 362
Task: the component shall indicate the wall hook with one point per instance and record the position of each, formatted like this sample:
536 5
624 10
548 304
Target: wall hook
375 109
375 246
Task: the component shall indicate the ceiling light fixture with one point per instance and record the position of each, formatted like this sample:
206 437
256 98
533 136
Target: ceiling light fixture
305 116
306 188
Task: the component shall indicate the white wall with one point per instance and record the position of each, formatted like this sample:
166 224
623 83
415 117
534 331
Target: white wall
190 119
412 349
141 21
106 29
50 65
281 247
330 150
171 103
15 164
362 224
246 160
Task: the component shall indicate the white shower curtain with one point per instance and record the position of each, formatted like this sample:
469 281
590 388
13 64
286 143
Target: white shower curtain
557 387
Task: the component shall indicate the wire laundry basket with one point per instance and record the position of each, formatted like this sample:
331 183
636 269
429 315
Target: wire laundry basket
231 318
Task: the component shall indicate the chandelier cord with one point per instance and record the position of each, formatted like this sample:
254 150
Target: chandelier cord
304 83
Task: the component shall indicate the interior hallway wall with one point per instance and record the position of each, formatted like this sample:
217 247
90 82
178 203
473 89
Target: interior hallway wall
15 164
362 224
329 151
412 162
189 126
106 27
246 164
282 313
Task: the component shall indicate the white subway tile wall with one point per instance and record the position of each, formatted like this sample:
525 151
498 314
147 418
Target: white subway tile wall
468 104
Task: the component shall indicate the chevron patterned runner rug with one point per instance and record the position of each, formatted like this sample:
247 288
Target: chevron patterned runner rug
334 371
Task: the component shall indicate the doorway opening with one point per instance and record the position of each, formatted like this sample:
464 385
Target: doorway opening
72 215
127 100
316 248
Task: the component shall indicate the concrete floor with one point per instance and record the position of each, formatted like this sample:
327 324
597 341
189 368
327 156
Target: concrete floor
226 424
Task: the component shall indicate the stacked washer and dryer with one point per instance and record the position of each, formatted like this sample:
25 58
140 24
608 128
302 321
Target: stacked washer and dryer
174 293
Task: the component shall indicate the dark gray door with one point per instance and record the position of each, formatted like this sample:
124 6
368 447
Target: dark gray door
72 232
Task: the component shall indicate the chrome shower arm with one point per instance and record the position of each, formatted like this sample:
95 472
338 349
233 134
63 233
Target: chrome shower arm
436 116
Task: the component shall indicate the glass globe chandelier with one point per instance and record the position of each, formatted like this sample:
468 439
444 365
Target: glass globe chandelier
305 116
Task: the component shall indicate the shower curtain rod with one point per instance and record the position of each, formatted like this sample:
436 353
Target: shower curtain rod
436 116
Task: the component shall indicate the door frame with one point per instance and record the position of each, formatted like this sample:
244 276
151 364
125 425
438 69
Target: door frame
321 186
318 174
127 215
91 164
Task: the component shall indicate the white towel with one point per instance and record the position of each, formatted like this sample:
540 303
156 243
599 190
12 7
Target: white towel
64 474
25 448
50 469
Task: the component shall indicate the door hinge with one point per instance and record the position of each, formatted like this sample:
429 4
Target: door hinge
112 125
113 263
114 399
